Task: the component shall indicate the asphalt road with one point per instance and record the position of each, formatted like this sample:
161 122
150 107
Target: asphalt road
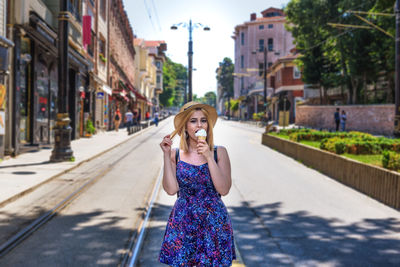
283 213
286 214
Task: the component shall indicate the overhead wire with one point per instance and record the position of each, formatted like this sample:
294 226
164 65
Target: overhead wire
149 14
156 13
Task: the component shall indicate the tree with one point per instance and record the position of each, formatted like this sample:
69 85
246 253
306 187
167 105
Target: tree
210 98
225 79
173 75
350 57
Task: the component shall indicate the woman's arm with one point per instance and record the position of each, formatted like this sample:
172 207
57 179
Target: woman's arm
170 184
221 172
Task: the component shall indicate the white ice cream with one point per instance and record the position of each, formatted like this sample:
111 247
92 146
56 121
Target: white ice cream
202 134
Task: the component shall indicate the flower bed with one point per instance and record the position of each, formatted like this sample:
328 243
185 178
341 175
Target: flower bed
353 143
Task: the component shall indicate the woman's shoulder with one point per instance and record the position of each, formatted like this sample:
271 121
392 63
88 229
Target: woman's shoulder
221 149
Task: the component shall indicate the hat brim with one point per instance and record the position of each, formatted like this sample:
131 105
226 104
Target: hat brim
212 114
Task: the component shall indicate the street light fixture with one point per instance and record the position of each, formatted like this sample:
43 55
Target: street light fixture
190 27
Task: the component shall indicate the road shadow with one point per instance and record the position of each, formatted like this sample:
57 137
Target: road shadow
264 235
268 237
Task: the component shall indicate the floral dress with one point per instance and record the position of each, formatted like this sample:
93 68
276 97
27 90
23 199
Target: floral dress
199 230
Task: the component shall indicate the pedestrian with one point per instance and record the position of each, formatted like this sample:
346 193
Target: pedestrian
117 119
129 120
199 231
337 118
156 118
147 115
343 118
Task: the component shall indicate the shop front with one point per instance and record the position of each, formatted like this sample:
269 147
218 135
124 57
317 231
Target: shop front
35 86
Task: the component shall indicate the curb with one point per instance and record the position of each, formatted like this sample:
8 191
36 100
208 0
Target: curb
33 188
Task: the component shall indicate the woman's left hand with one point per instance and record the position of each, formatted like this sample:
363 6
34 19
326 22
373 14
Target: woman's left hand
204 149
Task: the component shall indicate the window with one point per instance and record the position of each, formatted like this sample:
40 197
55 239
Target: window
278 76
269 64
261 45
270 26
90 47
102 46
261 27
270 44
260 69
158 65
242 38
242 61
158 79
296 73
241 83
103 6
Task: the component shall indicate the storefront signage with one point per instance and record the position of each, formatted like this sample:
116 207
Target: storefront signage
2 124
100 95
2 96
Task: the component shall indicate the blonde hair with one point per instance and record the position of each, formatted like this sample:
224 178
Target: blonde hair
181 130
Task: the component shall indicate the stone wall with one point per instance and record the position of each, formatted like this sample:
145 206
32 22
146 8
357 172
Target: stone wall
375 119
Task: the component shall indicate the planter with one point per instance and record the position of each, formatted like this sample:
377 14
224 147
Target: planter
378 183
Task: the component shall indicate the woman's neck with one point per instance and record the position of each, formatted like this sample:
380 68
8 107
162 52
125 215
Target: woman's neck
192 146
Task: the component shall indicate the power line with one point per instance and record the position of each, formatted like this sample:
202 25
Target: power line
155 12
149 13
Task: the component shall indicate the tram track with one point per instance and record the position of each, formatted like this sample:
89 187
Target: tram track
40 221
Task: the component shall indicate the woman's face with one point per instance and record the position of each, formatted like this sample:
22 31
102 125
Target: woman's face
197 121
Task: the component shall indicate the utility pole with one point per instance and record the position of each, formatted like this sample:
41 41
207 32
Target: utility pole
397 75
190 65
190 27
265 78
62 146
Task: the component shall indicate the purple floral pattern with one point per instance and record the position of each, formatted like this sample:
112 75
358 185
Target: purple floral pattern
199 230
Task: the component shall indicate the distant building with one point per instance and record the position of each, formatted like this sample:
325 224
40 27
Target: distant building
287 87
250 39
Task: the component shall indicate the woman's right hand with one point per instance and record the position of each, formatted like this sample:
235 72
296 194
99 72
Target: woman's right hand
166 144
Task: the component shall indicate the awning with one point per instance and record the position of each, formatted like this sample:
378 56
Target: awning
107 89
133 96
137 94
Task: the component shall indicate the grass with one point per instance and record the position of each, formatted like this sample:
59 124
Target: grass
368 159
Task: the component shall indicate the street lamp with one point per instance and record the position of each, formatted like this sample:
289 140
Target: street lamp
265 65
62 145
190 27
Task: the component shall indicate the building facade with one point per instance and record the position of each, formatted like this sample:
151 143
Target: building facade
250 40
288 88
122 61
5 51
33 89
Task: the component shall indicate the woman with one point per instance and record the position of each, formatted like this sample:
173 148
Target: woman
199 230
343 118
117 119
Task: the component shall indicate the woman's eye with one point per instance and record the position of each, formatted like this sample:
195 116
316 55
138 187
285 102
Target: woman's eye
204 121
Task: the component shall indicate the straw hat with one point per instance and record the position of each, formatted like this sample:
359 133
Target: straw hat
212 113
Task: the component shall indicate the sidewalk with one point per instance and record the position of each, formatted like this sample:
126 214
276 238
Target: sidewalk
26 172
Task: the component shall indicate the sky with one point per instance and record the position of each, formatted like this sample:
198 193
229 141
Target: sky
152 20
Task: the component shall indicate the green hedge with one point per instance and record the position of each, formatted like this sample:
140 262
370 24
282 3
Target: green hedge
391 160
356 143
